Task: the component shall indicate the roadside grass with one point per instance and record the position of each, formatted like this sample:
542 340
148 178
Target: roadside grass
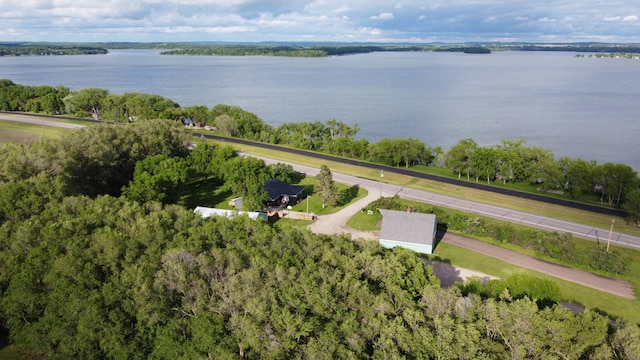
13 131
510 202
611 305
524 187
364 221
603 302
208 193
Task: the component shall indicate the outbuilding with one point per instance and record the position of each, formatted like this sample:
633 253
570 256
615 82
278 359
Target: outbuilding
409 230
207 212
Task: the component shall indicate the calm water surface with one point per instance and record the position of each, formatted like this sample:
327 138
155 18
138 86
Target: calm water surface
577 107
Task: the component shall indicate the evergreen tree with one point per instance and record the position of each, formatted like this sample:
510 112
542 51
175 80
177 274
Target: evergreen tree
326 187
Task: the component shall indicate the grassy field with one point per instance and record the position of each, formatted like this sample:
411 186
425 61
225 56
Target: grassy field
602 302
514 203
606 303
211 193
12 131
614 305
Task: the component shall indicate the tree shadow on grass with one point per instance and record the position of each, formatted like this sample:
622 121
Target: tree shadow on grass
347 195
203 193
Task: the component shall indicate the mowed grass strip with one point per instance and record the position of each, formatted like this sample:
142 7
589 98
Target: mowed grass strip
486 197
18 132
603 302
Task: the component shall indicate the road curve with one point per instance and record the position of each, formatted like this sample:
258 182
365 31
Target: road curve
543 222
335 224
538 221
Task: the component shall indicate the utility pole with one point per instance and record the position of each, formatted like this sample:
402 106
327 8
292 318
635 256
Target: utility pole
381 176
610 233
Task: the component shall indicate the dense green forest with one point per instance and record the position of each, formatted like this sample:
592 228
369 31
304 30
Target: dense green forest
98 261
511 161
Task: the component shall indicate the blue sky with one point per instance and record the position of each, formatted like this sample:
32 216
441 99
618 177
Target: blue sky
321 20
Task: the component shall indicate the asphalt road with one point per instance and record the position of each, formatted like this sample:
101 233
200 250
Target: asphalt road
538 221
385 189
336 224
448 274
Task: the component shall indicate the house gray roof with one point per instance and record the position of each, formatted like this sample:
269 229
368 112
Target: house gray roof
409 227
276 188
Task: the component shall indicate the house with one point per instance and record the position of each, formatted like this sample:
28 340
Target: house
409 230
207 212
280 193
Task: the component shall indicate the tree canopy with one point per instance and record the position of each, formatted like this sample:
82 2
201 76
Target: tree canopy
510 161
88 273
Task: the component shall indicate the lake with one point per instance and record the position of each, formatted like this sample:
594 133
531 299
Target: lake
578 107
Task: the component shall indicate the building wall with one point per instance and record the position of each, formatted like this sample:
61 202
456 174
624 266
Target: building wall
390 244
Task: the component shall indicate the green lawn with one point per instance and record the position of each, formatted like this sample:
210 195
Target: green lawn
13 131
511 202
210 193
590 298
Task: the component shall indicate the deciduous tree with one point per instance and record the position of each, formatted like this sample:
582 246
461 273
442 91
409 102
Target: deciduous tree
245 177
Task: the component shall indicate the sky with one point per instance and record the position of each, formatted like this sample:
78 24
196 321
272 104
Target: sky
414 21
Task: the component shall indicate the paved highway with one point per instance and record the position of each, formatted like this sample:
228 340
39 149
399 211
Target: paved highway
542 222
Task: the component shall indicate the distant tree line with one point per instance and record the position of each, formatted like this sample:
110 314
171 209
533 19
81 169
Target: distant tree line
283 50
32 49
465 49
579 47
613 55
508 162
91 266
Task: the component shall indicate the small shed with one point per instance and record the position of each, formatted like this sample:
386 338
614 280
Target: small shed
408 229
236 203
207 212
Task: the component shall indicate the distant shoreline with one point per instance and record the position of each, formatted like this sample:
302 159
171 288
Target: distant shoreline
302 49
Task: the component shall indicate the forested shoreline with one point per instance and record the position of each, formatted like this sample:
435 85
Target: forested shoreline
97 261
48 49
511 161
305 49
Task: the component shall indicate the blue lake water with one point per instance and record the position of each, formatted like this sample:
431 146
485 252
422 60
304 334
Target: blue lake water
578 107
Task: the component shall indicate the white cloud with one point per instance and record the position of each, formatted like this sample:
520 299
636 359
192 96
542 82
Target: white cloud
252 20
383 16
